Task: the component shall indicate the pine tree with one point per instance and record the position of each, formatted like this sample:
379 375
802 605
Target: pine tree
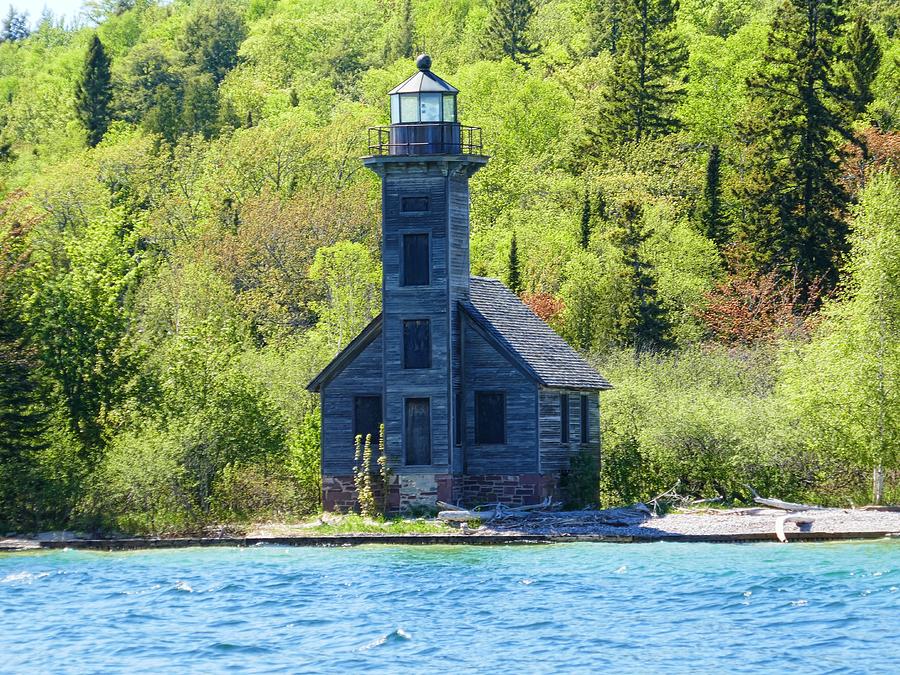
94 93
14 26
605 26
586 224
863 59
507 30
645 86
645 320
711 216
794 200
403 37
514 275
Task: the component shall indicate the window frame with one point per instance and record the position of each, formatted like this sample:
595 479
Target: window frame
585 418
415 212
564 415
406 400
356 433
504 430
403 357
414 233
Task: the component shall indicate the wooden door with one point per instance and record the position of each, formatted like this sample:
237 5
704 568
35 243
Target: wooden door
417 432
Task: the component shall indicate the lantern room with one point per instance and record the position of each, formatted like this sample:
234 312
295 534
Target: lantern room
424 97
424 119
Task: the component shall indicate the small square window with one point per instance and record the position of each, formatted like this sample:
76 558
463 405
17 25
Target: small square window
409 108
417 343
413 204
490 417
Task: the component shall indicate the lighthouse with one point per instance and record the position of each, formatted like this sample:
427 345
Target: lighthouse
479 398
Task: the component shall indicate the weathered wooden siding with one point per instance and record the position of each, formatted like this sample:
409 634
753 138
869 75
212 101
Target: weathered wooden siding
555 454
486 369
445 184
361 377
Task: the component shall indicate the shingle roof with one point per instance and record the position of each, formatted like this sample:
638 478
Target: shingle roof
511 323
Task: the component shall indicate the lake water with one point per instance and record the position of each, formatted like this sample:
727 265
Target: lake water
641 608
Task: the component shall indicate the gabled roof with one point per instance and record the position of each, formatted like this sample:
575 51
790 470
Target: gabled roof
346 355
513 328
424 80
506 319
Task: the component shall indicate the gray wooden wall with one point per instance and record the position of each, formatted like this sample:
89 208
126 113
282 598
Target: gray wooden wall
488 370
361 377
555 454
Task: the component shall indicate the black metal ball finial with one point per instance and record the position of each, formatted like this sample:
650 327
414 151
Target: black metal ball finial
423 62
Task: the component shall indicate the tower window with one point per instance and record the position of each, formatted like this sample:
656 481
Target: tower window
585 419
417 343
416 263
564 418
413 204
490 417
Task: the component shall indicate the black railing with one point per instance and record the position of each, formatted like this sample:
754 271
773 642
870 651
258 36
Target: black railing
438 138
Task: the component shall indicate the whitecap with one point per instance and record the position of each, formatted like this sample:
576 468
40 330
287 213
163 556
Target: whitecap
398 635
183 586
527 582
25 577
622 569
799 603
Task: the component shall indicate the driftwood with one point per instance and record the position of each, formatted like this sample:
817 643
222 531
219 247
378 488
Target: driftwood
779 504
779 524
458 514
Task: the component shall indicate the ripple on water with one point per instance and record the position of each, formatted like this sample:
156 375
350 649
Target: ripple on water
573 608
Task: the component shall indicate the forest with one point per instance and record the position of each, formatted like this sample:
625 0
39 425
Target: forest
703 197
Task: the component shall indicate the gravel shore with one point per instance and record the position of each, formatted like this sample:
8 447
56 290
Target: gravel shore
709 523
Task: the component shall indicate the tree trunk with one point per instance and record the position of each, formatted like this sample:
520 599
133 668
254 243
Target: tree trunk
878 484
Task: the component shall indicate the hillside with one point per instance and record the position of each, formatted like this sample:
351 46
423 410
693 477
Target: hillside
704 198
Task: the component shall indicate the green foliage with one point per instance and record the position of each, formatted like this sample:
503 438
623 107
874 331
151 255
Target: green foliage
170 289
863 59
580 482
796 201
93 93
514 274
645 84
506 33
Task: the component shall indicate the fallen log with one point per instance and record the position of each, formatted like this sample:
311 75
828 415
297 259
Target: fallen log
779 504
457 514
780 522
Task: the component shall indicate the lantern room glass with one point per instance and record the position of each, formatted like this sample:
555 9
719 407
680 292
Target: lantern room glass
423 107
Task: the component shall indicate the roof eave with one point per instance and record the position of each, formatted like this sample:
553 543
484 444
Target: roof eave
348 353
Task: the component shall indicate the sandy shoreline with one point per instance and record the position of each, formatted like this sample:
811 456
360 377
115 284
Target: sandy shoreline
736 525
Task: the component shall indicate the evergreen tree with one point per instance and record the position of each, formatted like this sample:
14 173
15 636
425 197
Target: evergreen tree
645 84
586 224
212 37
863 59
507 30
14 26
93 93
514 275
645 320
200 109
605 26
795 202
711 216
403 36
22 412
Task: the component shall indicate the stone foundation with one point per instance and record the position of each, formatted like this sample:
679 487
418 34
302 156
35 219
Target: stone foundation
424 489
509 489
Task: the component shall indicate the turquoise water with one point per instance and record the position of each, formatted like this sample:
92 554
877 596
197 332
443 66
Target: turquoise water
644 608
